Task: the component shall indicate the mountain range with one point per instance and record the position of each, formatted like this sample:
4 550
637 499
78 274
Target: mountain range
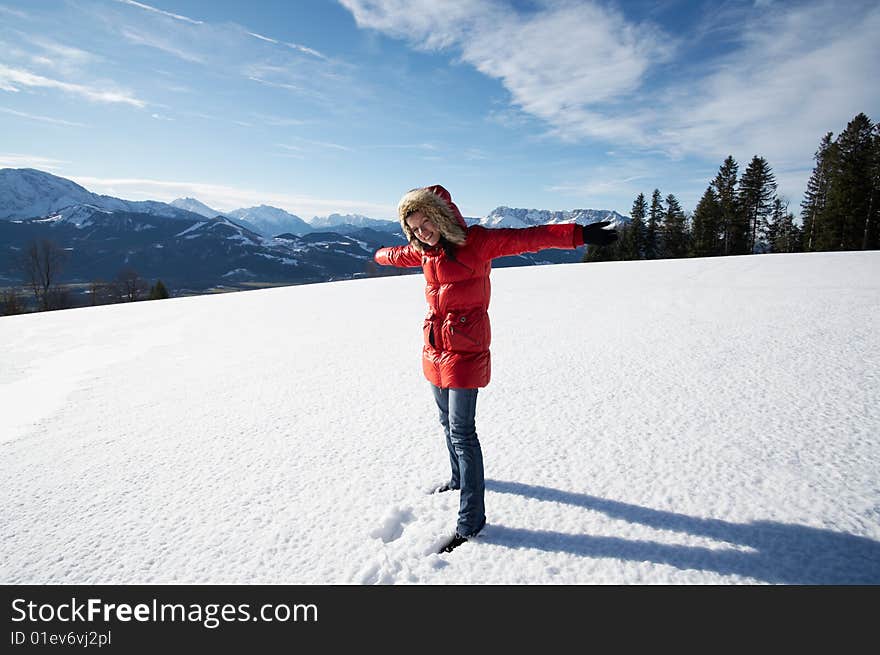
193 248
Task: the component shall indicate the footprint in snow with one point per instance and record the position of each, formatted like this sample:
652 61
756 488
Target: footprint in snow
393 524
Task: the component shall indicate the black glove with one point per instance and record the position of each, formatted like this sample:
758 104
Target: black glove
595 235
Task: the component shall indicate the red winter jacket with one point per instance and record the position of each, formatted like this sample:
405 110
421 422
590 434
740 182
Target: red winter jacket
456 329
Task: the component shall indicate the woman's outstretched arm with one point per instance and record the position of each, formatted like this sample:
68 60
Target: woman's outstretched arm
401 256
501 242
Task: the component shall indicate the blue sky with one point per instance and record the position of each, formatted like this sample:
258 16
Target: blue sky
317 106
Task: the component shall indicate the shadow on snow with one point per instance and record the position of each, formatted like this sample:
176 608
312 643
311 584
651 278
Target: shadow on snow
781 553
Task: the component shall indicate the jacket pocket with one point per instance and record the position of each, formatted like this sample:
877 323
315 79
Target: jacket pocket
466 331
428 330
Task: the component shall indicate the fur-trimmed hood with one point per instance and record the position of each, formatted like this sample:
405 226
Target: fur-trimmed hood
435 203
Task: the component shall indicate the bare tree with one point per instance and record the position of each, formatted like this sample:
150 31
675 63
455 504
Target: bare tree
60 297
43 261
11 302
131 286
102 293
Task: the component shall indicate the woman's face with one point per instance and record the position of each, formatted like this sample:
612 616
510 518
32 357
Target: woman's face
424 228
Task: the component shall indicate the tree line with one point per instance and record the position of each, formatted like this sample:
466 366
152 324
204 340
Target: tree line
743 215
42 264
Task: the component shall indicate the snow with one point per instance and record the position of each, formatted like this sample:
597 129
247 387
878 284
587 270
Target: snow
239 272
49 219
519 217
29 193
704 421
355 220
192 228
271 220
81 215
196 207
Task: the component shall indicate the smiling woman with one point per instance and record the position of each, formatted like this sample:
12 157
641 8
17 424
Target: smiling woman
456 260
423 227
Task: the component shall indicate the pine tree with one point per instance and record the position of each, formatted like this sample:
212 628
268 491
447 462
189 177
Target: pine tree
653 246
757 189
871 239
158 291
725 185
633 239
675 237
706 225
782 234
595 253
816 195
850 192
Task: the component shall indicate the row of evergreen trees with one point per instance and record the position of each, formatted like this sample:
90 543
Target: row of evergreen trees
739 215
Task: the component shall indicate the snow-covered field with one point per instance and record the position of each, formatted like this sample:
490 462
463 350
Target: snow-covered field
689 421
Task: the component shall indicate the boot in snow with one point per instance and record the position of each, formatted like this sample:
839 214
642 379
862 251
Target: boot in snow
456 541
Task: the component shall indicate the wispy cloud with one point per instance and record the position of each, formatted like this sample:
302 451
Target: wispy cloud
66 52
58 57
206 43
326 144
280 121
789 72
509 117
292 152
600 186
294 46
227 49
211 117
287 155
13 52
11 79
160 11
16 160
475 154
163 43
262 38
576 66
407 146
318 144
619 176
798 73
308 51
277 85
225 198
43 119
13 12
564 58
278 77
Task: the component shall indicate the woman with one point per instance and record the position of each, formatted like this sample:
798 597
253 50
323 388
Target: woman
456 260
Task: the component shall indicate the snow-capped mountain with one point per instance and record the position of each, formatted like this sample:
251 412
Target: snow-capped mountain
195 253
80 215
345 223
190 245
196 207
29 193
514 217
225 229
270 221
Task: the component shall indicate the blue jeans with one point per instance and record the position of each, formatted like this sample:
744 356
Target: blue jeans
458 407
